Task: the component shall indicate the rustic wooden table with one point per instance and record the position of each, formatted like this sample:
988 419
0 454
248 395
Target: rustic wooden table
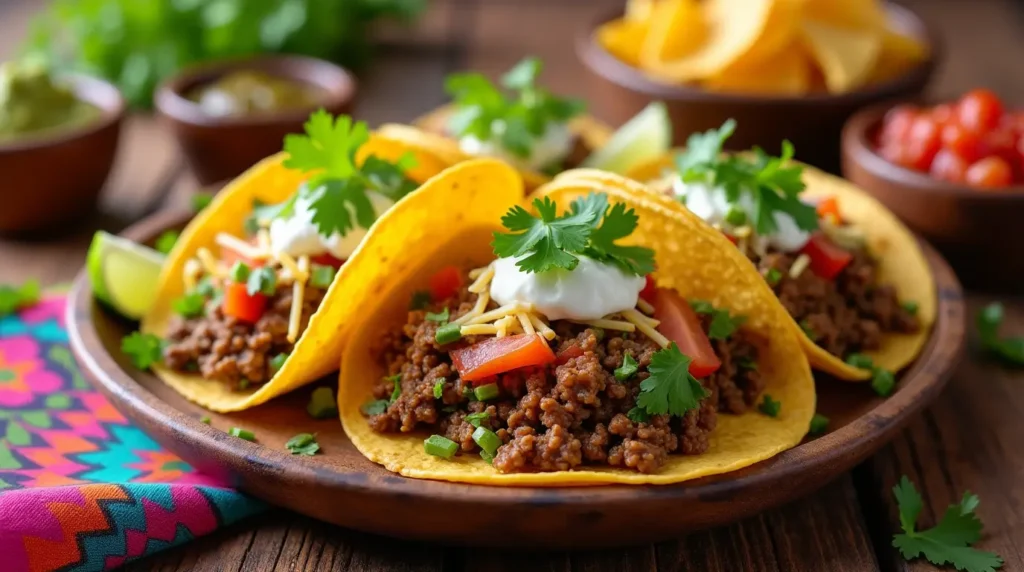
969 439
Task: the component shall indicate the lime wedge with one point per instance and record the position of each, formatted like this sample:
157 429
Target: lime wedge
644 138
123 274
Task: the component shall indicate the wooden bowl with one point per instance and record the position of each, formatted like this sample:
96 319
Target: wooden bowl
812 123
219 148
342 487
51 180
976 229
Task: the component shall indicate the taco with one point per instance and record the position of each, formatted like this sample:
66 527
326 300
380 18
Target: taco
536 131
851 276
245 299
614 343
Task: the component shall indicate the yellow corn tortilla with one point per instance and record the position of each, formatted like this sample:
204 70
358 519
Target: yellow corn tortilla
901 264
695 262
316 351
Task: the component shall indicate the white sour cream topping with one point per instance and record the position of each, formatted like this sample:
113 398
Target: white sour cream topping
710 204
298 236
589 292
550 148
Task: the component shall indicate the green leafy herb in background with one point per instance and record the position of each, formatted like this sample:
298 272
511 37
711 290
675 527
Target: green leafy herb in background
137 43
143 349
14 298
1009 349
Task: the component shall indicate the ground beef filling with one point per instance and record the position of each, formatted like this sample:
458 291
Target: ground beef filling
848 314
562 416
228 350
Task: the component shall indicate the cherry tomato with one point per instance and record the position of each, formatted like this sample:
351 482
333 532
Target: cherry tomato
948 166
965 144
896 153
327 259
923 142
680 324
492 356
944 114
990 172
1000 142
238 303
896 125
827 259
445 283
649 287
979 110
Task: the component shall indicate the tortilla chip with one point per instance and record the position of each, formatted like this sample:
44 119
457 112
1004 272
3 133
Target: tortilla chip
623 39
316 352
865 15
846 56
676 29
788 72
685 248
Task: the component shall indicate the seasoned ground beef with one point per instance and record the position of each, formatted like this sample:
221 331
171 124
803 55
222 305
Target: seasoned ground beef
568 414
225 349
845 315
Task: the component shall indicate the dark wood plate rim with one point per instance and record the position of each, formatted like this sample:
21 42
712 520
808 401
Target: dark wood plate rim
830 454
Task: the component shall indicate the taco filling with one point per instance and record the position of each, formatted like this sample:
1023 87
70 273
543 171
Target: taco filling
563 353
818 264
248 300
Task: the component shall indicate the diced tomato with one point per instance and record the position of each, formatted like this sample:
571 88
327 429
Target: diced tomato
979 110
445 283
827 259
896 125
1001 142
731 238
680 324
238 303
649 287
923 142
948 166
573 351
828 207
988 173
499 355
964 143
327 259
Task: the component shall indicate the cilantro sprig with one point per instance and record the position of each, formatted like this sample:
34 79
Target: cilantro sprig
722 324
338 190
772 184
670 389
144 350
514 120
949 541
1008 349
590 228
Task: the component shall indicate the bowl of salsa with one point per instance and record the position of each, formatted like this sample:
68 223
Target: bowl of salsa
228 115
58 140
954 171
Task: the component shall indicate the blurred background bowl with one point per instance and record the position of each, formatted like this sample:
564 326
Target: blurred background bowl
218 148
813 123
57 178
977 229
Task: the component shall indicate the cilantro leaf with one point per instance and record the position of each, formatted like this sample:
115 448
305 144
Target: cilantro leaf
321 276
1009 349
389 178
165 242
303 444
637 415
703 151
420 300
374 407
670 389
948 542
438 388
262 280
14 298
627 369
476 419
190 305
333 204
620 223
397 391
722 324
440 317
769 406
328 148
143 349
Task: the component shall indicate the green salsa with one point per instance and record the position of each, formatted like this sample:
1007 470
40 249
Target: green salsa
252 92
32 102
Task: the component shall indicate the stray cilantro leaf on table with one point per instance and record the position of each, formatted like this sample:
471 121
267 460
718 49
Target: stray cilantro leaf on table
1008 349
949 541
14 298
165 242
670 389
722 324
303 444
769 406
143 349
322 404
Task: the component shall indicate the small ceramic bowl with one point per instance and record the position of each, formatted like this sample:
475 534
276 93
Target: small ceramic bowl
977 229
219 148
50 180
812 122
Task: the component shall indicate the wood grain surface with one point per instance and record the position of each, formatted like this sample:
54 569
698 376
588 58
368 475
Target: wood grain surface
970 438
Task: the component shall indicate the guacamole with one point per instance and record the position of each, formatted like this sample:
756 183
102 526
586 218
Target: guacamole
252 92
33 102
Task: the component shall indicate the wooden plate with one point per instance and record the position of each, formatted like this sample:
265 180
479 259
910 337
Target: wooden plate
342 487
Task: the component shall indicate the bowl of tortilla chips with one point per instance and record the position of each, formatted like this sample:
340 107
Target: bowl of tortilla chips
788 70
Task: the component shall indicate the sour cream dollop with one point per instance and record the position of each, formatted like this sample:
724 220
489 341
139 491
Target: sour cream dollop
549 149
711 204
298 236
589 292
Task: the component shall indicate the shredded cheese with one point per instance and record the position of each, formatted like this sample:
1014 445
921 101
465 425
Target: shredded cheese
506 324
478 309
607 324
298 293
263 239
543 328
524 321
645 306
478 330
641 324
742 231
799 265
483 281
476 272
501 312
239 246
210 264
288 263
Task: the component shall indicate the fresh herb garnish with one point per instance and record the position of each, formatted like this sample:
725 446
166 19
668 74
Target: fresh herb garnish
190 305
14 298
206 287
486 439
670 389
475 419
773 276
819 424
448 333
949 541
397 391
303 444
1009 349
375 407
439 388
485 112
165 242
243 383
769 406
486 392
638 415
420 300
242 433
205 419
200 200
590 228
322 404
722 324
338 187
440 317
883 381
772 183
277 362
263 280
321 276
860 361
143 349
746 362
910 307
806 328
627 369
440 446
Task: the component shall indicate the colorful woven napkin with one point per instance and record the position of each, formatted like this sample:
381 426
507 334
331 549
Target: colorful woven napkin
81 488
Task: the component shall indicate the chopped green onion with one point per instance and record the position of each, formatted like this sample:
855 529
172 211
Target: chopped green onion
240 272
190 305
448 333
375 407
769 406
627 369
911 307
860 361
440 317
487 439
439 388
883 382
206 287
485 392
321 276
475 419
243 383
735 217
439 446
242 433
303 444
165 242
322 403
201 200
397 391
773 276
487 457
819 424
277 362
205 419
